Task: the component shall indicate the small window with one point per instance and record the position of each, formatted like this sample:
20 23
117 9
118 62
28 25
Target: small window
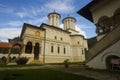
78 42
61 38
64 50
82 51
52 48
55 37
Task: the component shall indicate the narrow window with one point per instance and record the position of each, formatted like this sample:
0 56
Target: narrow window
61 38
82 51
58 49
78 42
52 49
55 37
28 48
64 50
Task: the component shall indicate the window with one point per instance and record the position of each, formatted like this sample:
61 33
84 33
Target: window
52 48
4 50
82 51
28 48
15 49
37 34
58 49
78 42
61 38
64 50
55 37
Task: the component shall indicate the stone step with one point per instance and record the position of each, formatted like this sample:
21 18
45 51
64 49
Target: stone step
35 62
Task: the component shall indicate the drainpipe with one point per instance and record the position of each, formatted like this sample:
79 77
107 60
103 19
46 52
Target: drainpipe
44 47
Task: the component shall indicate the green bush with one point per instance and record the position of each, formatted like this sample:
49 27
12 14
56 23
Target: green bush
3 60
22 60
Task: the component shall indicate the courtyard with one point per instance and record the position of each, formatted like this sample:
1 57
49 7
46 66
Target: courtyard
56 71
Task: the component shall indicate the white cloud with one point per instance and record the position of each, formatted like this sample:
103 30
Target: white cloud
38 21
9 32
61 26
14 23
21 14
29 11
60 5
6 10
77 27
84 26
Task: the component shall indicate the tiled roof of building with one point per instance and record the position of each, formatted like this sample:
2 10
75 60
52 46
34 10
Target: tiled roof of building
4 45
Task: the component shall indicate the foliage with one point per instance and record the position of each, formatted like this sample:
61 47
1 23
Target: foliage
3 60
21 60
66 61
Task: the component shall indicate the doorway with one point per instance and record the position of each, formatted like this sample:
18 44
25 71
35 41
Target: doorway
36 51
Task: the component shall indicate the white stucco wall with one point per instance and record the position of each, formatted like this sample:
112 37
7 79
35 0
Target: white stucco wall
104 9
98 62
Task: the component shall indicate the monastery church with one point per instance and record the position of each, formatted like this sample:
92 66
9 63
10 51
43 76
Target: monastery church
48 43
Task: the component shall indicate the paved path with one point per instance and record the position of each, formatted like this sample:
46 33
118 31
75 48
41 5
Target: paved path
74 69
80 70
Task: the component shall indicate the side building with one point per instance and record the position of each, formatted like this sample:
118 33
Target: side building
105 14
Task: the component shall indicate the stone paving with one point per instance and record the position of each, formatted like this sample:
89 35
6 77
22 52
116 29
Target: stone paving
78 70
74 69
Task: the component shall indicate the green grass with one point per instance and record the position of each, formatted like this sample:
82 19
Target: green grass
4 65
40 74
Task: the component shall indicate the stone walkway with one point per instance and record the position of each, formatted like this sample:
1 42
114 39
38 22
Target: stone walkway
74 69
78 70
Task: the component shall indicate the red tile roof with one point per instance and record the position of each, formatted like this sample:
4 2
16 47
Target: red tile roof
4 45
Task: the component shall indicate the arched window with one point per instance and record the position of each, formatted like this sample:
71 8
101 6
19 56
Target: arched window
105 23
36 51
16 49
28 48
112 62
116 17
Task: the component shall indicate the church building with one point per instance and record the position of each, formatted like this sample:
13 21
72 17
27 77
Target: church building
48 43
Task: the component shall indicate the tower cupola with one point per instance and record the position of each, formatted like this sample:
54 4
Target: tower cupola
54 19
69 23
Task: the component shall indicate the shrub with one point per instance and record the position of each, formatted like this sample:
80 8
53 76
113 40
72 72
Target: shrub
3 60
66 63
22 60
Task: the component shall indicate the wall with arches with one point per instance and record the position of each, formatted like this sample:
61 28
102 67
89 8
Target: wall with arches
99 61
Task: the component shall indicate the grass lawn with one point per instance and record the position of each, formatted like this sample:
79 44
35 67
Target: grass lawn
39 74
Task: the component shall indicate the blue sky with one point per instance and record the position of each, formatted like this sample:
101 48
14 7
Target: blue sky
13 13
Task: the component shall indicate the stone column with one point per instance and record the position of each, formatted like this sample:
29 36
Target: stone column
32 49
67 24
54 20
23 48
